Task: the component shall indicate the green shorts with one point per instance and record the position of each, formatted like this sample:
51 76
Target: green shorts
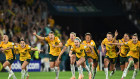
94 60
123 60
28 60
135 59
73 53
112 60
53 58
11 61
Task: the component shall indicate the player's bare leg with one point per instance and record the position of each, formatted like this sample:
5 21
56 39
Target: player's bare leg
94 69
52 65
90 61
113 69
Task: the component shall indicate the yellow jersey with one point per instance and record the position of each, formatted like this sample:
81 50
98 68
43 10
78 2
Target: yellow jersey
110 49
55 51
69 43
24 52
8 53
134 49
124 49
80 51
92 43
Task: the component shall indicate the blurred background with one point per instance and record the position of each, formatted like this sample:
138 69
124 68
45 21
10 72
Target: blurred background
19 18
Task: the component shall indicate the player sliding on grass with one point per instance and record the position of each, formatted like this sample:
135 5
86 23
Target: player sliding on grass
25 57
92 58
70 42
133 55
111 54
10 56
55 49
79 50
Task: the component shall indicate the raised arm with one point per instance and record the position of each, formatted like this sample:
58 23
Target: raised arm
35 49
116 34
39 37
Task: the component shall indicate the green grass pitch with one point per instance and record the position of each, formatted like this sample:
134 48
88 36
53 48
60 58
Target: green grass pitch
67 75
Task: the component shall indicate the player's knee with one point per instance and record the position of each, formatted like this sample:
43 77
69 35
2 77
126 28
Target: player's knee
22 67
4 65
78 64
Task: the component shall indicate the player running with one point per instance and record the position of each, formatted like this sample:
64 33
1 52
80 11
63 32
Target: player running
79 50
55 49
123 50
10 56
25 56
133 55
92 58
70 42
111 54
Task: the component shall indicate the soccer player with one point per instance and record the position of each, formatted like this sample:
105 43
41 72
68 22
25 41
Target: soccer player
92 58
70 42
10 56
25 56
79 50
110 53
55 49
123 50
133 55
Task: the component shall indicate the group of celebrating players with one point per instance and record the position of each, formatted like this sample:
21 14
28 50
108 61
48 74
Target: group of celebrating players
129 50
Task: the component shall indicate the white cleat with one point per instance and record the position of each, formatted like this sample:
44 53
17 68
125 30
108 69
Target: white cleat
14 77
10 75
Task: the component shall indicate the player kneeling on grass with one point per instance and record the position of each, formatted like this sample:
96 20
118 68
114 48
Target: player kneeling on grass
79 50
10 57
55 49
25 57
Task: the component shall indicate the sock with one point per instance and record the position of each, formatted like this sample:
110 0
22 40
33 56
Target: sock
106 72
134 73
130 64
87 69
79 70
52 69
8 69
22 74
26 73
90 67
57 72
72 69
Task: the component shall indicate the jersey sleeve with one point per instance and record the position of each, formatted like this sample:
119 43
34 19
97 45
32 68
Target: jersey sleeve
67 43
29 47
58 40
0 44
93 43
103 42
72 48
46 39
